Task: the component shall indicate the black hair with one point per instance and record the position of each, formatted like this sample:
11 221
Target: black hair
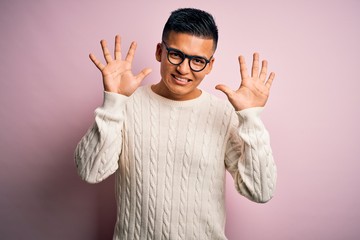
192 21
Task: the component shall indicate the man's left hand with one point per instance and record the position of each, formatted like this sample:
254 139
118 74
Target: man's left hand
253 91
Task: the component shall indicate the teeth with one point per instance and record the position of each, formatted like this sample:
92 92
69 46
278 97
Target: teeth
181 79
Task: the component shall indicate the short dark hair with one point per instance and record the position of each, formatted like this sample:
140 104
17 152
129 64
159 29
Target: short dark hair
192 21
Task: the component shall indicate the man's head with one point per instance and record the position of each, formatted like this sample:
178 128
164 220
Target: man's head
193 22
186 53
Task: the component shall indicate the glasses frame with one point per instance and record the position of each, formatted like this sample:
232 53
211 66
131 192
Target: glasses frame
190 57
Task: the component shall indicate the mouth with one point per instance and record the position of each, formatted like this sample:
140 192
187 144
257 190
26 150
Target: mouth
181 81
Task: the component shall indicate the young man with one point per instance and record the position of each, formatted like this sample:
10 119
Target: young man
170 143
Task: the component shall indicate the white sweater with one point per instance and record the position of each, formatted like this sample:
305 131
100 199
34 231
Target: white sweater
170 159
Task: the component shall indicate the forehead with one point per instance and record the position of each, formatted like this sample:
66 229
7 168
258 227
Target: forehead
190 44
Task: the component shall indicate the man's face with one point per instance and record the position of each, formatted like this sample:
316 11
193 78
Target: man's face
179 82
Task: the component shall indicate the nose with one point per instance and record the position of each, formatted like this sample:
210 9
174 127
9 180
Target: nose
184 67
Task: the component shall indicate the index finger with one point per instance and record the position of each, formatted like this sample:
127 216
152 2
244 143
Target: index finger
243 70
131 52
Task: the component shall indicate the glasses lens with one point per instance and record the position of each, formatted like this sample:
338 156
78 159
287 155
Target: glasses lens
175 57
197 63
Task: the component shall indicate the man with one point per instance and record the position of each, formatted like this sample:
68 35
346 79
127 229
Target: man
170 143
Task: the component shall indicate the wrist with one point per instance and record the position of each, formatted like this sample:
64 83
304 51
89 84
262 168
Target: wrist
250 117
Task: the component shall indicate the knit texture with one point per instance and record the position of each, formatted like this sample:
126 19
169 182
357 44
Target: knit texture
170 158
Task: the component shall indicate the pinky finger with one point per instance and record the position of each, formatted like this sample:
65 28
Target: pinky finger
270 80
97 63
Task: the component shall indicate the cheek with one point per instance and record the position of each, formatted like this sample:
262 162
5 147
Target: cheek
165 68
199 76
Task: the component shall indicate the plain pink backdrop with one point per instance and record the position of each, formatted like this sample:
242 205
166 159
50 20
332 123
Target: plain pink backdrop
49 90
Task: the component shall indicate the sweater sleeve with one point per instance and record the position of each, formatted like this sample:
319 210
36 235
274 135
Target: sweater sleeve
97 153
249 157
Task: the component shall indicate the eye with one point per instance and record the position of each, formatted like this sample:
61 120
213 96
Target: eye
198 61
175 54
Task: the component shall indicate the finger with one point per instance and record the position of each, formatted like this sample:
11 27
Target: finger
243 69
131 52
255 66
270 80
106 52
97 63
263 71
225 89
143 74
117 47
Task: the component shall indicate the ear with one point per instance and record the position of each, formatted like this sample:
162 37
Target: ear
210 65
158 52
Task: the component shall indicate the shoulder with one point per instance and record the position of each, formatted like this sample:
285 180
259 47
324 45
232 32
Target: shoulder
140 93
221 110
221 105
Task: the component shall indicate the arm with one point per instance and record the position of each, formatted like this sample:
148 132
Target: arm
248 155
249 158
97 154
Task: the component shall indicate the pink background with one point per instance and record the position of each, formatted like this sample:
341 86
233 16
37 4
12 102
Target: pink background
49 90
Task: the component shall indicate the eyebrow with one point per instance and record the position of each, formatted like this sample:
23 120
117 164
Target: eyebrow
175 49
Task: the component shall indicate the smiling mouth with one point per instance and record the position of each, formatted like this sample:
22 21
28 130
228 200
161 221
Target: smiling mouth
184 80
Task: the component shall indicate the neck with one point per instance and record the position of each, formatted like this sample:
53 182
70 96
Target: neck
161 90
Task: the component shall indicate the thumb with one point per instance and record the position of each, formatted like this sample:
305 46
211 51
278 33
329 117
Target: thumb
143 74
225 89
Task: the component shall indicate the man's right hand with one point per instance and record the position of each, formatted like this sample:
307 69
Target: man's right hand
117 74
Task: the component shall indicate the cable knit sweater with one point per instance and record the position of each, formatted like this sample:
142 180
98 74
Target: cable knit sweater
170 159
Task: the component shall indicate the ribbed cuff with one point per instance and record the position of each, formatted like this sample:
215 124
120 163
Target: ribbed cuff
250 117
113 101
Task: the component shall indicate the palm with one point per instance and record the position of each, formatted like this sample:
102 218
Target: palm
254 90
118 77
117 74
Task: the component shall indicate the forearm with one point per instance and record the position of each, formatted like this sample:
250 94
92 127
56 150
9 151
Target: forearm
97 154
250 159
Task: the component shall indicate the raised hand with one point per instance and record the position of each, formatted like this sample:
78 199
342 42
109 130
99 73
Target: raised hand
253 91
117 74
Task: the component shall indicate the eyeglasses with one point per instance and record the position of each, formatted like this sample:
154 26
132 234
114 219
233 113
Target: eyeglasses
176 57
